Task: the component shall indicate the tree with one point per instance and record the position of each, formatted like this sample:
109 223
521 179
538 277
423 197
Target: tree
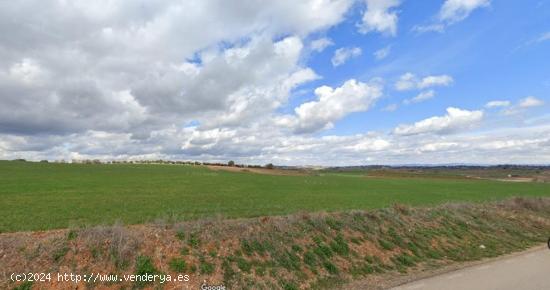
269 166
231 163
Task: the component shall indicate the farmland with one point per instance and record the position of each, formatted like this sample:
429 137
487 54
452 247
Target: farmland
42 196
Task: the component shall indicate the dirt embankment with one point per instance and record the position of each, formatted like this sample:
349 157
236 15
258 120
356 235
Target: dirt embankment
274 171
303 251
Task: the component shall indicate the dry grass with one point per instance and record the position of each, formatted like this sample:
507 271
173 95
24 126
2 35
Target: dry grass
304 250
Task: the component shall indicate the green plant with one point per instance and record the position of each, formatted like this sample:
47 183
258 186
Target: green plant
184 251
296 248
287 285
386 245
330 267
177 265
144 266
340 246
309 259
247 248
71 235
60 253
27 285
228 272
205 267
243 264
194 240
180 235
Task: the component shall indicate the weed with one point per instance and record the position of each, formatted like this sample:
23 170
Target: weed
243 264
334 223
27 285
193 240
71 235
247 248
259 247
177 265
180 235
296 248
386 245
213 253
330 267
205 267
144 266
184 251
228 272
288 285
309 259
340 246
60 253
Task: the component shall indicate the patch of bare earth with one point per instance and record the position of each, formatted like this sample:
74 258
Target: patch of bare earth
291 172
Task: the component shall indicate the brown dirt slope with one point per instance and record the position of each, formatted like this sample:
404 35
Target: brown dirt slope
303 251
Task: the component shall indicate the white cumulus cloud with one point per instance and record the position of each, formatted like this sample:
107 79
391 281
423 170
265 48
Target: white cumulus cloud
409 81
382 53
497 103
380 16
320 44
530 102
456 119
343 54
332 105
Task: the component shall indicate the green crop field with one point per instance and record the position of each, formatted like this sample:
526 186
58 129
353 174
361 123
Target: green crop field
40 196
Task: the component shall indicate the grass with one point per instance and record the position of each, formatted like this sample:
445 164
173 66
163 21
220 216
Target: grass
41 196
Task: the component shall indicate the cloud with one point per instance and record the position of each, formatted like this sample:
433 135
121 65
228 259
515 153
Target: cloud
438 27
455 120
320 44
457 10
380 16
523 105
133 67
432 81
495 104
332 104
452 11
390 108
530 102
382 53
409 81
423 96
544 37
343 54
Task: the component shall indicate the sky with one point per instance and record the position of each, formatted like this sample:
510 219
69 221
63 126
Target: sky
312 82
